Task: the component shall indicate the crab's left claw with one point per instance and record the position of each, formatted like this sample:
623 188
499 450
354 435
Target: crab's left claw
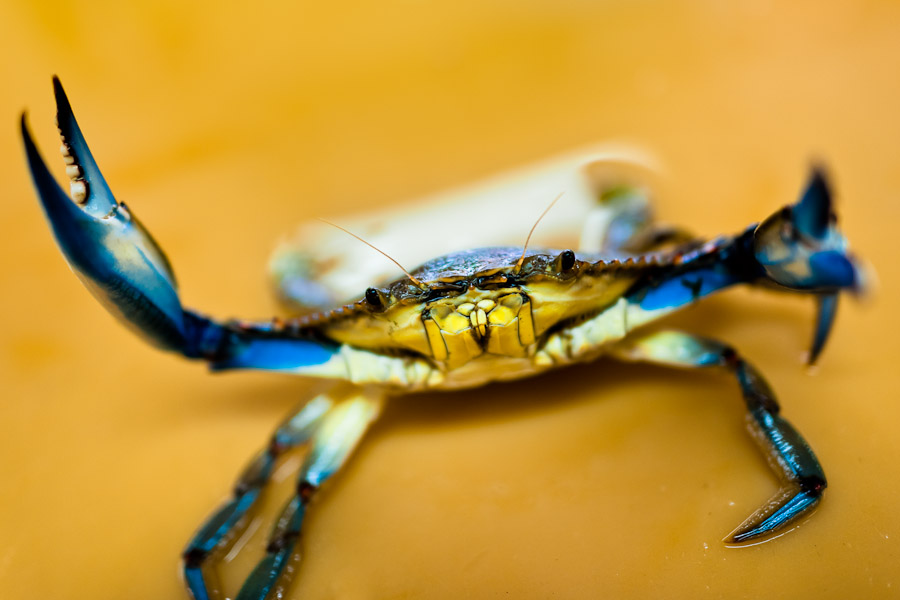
106 246
801 248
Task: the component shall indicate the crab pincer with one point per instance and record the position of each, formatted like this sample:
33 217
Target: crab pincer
104 243
800 248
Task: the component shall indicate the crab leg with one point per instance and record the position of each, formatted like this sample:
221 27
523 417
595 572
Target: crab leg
228 520
803 478
331 425
332 444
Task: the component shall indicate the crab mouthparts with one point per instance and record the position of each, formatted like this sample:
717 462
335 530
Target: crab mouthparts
459 333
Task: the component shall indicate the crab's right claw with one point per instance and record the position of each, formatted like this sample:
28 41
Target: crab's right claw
106 246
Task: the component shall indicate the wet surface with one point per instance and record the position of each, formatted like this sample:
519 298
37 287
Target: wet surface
221 129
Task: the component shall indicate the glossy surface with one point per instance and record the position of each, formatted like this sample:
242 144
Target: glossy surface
113 453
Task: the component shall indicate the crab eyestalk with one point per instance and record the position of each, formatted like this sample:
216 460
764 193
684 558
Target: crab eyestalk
105 245
801 248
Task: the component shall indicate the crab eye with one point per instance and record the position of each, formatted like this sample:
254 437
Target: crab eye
374 298
566 261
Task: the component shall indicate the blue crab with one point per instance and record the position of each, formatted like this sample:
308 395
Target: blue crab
460 320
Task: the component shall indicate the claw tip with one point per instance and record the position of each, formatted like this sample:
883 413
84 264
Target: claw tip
62 101
26 134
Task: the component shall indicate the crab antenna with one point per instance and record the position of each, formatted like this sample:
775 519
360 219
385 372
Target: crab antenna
533 227
380 251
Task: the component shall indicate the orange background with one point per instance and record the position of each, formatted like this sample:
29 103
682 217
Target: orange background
222 125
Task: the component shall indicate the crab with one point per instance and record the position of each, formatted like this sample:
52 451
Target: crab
461 320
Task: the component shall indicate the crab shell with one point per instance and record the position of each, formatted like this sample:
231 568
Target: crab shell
487 314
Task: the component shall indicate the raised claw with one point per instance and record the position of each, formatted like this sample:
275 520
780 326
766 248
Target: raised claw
106 246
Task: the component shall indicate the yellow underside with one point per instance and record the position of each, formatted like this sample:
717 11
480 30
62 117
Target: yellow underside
481 335
472 363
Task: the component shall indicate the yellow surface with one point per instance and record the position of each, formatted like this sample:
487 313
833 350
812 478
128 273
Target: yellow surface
222 125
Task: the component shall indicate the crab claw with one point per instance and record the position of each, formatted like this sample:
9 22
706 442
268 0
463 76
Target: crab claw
106 246
801 248
811 215
826 311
